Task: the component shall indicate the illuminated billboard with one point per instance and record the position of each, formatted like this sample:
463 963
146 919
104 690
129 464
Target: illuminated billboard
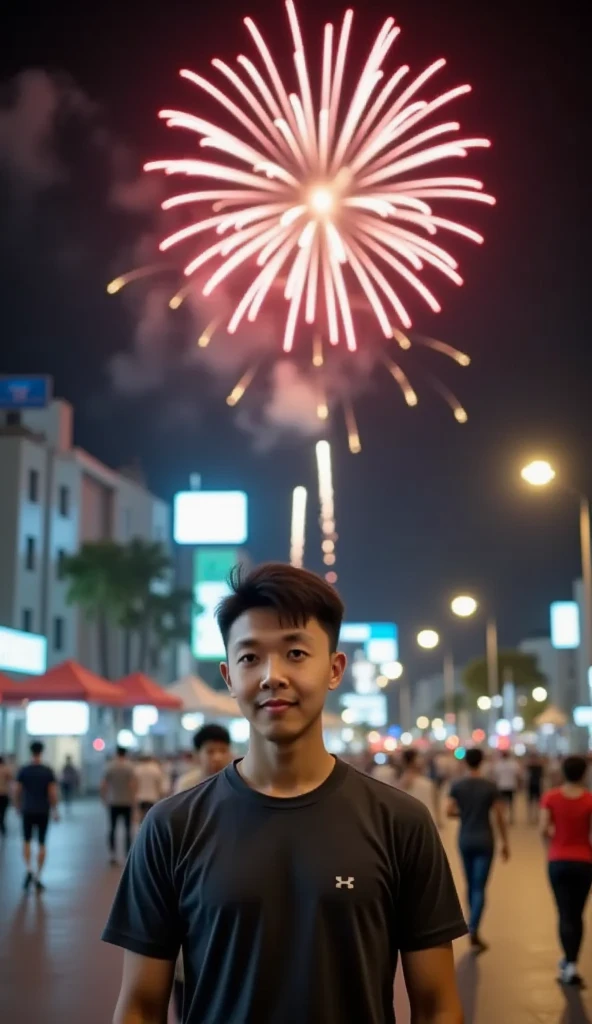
22 652
211 517
57 718
31 392
379 639
565 625
211 569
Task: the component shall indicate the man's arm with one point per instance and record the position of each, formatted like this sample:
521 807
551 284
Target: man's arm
452 810
145 990
17 797
546 824
431 986
53 797
500 820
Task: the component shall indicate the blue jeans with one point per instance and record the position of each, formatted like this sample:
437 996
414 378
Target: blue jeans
477 865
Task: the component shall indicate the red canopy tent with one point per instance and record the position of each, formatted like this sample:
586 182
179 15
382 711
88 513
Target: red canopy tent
7 687
66 681
140 689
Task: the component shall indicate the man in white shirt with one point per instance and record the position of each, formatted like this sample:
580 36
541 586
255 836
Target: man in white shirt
506 775
150 784
414 782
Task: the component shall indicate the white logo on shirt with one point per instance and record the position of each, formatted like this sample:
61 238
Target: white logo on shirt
341 882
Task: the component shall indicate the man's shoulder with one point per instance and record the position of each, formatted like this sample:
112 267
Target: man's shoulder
175 811
400 806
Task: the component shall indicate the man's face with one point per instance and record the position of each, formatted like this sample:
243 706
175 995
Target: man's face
213 757
280 674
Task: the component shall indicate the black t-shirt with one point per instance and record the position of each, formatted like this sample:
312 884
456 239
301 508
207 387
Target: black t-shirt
475 797
35 780
288 910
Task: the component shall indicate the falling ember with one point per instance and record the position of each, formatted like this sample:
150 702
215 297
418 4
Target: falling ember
395 370
317 351
206 336
239 389
353 437
118 283
322 190
298 528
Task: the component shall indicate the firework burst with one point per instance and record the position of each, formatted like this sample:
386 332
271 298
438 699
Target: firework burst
323 193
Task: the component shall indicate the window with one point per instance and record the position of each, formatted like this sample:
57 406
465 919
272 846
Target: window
27 620
64 500
58 633
60 561
30 553
33 485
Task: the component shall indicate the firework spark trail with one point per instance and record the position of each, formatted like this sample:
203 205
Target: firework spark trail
325 195
298 528
327 501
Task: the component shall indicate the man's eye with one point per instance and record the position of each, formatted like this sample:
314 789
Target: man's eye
297 655
246 659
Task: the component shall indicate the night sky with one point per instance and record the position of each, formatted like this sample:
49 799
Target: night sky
429 506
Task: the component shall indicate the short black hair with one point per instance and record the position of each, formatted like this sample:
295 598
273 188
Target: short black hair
474 757
36 748
297 595
409 757
121 751
211 734
574 768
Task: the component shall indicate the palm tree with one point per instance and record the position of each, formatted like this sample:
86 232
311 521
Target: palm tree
147 572
95 583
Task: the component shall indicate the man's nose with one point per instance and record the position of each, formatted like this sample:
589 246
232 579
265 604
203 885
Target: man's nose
273 673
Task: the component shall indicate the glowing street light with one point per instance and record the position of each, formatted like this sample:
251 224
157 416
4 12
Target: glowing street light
428 639
382 682
538 473
484 703
464 606
539 694
423 722
392 669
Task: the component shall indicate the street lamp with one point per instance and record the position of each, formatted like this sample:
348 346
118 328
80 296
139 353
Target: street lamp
539 694
540 473
428 639
464 606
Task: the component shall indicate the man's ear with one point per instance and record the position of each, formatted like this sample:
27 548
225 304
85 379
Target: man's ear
226 676
338 665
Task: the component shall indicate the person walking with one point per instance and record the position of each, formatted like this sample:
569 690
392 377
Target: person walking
212 753
69 782
36 797
506 775
566 824
151 784
5 783
292 881
415 782
118 792
535 771
475 800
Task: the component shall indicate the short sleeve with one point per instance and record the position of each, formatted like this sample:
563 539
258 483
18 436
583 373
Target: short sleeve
545 801
429 910
51 777
20 775
144 917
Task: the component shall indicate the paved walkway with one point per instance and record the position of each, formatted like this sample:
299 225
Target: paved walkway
54 969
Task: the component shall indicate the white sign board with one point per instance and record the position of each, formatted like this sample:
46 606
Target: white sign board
22 652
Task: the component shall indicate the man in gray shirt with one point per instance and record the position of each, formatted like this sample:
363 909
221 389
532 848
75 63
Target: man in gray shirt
118 793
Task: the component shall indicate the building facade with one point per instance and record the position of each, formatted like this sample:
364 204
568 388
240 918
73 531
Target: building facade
56 497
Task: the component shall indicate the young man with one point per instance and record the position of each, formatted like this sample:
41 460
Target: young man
118 793
5 782
473 799
69 782
292 880
36 796
506 774
414 782
212 753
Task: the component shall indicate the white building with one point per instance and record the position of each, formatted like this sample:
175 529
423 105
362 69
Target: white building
55 497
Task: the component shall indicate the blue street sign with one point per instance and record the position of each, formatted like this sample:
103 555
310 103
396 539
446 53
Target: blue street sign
32 392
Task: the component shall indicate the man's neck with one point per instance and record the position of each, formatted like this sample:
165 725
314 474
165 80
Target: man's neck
287 769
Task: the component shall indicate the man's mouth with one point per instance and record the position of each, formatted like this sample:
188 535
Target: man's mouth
277 705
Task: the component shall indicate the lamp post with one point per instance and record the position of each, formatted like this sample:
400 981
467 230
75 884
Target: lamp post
540 473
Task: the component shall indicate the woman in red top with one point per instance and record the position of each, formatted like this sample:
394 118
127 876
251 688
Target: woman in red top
567 824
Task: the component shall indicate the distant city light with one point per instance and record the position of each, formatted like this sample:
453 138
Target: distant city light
464 606
539 694
503 727
382 681
518 723
538 473
98 744
348 716
373 737
392 669
390 743
484 703
126 738
347 735
497 701
428 639
460 753
192 720
380 758
478 735
406 739
452 742
437 723
440 734
423 722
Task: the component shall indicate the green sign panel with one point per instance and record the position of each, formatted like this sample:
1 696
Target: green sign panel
211 569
